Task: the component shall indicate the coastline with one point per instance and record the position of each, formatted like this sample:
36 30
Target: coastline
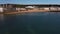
18 9
21 12
29 11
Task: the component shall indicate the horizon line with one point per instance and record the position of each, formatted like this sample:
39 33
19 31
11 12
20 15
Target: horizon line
32 4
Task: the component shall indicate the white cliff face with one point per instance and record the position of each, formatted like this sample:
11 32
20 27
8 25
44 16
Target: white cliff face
29 7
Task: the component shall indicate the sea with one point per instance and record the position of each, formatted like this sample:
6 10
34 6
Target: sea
30 23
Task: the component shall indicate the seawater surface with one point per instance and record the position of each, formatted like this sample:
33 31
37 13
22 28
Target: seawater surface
30 23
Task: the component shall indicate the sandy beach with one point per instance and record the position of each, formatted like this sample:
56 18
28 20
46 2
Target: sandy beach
29 11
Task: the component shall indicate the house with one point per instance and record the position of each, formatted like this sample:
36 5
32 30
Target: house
53 8
18 9
46 8
59 8
7 8
1 9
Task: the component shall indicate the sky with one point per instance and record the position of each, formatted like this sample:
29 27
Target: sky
30 1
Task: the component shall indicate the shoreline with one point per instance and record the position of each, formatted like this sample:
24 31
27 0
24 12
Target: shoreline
21 12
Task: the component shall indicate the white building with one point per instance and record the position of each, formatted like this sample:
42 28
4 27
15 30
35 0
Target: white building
1 9
53 8
17 8
20 9
46 8
59 8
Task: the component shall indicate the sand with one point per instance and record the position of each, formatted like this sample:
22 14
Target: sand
29 11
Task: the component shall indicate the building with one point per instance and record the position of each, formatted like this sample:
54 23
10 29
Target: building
1 9
7 8
28 7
